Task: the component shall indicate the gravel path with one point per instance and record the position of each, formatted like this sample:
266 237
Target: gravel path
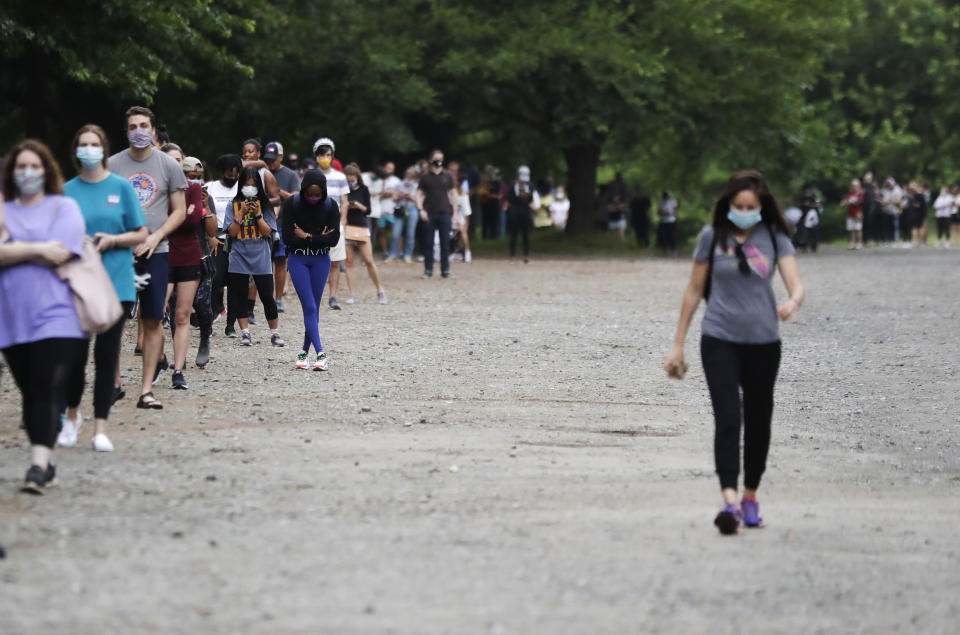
501 453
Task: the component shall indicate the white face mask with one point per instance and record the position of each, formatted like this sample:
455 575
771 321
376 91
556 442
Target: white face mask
249 191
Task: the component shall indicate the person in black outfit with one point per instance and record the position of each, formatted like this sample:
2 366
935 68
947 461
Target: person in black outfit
436 200
522 199
640 216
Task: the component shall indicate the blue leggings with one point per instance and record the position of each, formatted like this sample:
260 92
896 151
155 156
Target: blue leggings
309 275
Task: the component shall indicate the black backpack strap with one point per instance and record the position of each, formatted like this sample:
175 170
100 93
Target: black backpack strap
708 284
776 249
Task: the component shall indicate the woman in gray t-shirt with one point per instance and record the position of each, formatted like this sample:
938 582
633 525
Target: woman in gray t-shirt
733 269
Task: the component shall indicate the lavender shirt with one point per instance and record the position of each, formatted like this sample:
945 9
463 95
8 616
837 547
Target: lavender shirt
34 303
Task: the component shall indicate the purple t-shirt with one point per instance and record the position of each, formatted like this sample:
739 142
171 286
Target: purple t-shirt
34 303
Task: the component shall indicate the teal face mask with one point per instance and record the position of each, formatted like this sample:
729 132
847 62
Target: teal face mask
744 220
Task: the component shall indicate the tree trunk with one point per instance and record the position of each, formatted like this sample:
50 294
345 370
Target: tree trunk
582 162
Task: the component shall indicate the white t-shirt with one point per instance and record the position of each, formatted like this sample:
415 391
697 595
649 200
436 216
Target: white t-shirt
376 189
337 187
222 197
944 205
559 210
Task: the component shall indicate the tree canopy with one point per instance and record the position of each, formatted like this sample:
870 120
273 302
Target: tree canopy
675 93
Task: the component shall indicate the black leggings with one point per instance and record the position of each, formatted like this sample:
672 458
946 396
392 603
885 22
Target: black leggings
943 228
238 287
42 370
106 356
520 222
729 367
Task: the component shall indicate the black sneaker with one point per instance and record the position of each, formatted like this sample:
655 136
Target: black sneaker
162 365
446 274
230 331
334 304
427 274
51 475
251 319
118 394
138 352
277 341
194 321
179 381
35 481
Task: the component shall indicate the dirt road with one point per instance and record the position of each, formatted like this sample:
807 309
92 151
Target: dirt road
501 453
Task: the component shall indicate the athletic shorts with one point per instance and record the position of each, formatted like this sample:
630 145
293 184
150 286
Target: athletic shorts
186 273
386 221
854 225
154 297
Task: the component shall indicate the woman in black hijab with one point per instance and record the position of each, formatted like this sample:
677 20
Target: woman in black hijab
311 226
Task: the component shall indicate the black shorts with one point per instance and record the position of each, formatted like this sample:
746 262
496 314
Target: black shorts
187 273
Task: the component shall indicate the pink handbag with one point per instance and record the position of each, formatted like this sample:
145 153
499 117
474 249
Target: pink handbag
96 301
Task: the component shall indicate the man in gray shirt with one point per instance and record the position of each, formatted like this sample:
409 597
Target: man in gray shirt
160 184
289 183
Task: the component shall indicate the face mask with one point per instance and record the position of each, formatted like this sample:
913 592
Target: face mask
229 182
313 200
744 220
437 163
324 162
352 182
140 138
249 191
29 181
89 156
197 181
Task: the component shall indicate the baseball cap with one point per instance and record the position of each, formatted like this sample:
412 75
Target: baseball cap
272 150
191 164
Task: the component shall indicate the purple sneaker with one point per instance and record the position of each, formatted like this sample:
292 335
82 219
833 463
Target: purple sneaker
751 513
728 519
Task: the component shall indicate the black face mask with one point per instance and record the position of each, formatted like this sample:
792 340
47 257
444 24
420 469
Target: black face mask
437 163
229 182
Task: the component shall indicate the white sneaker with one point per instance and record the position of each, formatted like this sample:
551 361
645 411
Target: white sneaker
350 300
321 363
68 434
101 443
467 257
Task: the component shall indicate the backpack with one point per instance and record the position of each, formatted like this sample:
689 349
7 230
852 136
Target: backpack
707 286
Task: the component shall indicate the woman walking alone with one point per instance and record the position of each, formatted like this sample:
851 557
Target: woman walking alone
40 335
311 226
734 263
114 219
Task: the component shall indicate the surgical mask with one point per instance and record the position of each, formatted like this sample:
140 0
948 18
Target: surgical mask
90 156
313 200
229 182
746 219
29 181
352 182
140 138
249 191
197 181
324 162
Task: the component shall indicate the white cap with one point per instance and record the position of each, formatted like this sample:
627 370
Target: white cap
523 174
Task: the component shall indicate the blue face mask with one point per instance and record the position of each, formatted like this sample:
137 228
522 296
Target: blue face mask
744 220
90 156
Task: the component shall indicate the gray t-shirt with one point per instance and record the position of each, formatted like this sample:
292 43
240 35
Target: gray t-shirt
248 254
153 179
287 179
743 309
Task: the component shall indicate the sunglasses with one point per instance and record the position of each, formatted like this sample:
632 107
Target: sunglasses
742 264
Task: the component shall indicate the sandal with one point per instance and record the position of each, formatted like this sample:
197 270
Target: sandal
148 401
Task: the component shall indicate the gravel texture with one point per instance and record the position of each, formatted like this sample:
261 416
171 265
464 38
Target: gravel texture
502 453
